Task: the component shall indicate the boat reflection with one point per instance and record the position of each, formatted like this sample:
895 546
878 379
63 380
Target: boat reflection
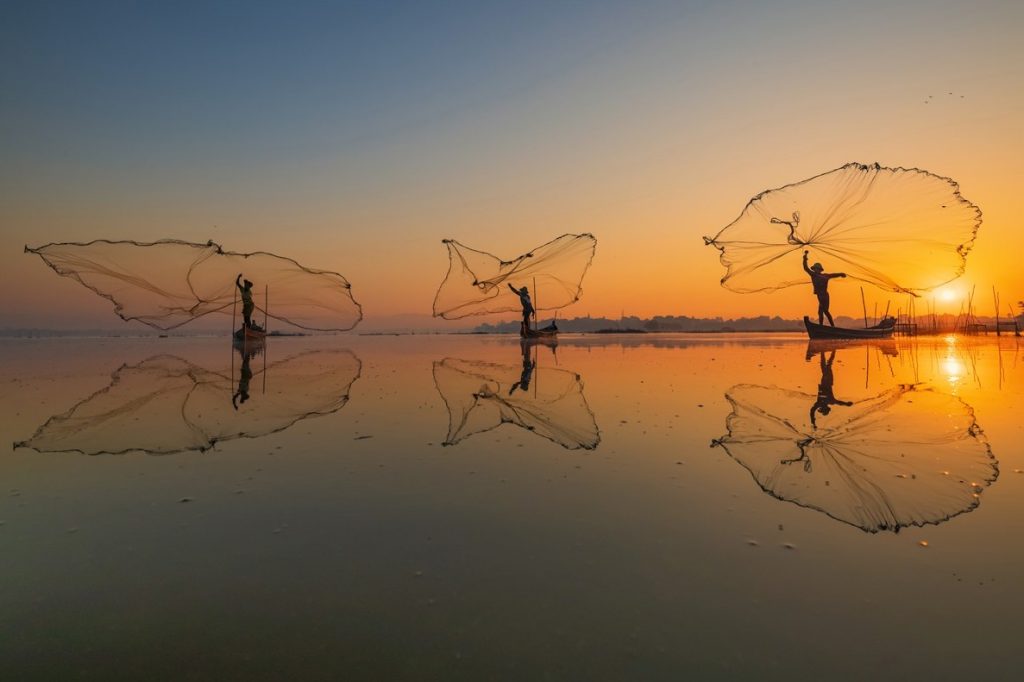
545 400
883 346
166 404
909 456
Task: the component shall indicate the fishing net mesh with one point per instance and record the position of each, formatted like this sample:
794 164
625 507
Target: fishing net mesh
169 283
907 457
477 282
903 230
481 396
166 404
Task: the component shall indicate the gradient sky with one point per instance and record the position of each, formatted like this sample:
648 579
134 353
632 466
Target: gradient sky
355 137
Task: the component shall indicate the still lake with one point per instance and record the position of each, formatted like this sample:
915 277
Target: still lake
631 507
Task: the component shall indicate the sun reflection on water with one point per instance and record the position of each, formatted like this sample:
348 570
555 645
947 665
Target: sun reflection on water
951 366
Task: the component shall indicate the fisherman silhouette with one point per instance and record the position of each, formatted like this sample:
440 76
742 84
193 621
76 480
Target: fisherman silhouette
244 377
524 299
819 280
826 396
528 366
247 303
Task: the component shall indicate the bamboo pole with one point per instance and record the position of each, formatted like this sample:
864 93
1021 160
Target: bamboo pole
235 300
266 317
995 298
864 304
535 370
234 305
536 306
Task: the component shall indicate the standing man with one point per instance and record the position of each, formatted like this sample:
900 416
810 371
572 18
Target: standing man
247 303
819 280
524 299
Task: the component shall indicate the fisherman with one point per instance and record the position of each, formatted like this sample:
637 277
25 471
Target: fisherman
528 366
244 377
819 279
826 393
247 304
524 299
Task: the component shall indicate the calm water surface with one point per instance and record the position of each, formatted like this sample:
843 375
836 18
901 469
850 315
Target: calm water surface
459 507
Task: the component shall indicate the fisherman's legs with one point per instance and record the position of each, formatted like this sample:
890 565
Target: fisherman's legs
823 311
247 315
526 320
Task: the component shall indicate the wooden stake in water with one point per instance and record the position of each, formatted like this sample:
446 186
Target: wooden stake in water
995 297
535 370
863 303
970 310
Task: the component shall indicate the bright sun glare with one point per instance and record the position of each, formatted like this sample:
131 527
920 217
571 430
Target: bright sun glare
946 294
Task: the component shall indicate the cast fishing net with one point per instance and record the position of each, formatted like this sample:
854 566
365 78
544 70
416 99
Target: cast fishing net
548 401
907 457
900 229
477 282
169 283
166 404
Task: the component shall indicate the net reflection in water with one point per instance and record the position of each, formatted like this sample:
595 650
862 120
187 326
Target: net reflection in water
907 457
166 404
548 401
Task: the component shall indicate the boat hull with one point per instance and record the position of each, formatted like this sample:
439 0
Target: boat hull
821 331
245 334
546 333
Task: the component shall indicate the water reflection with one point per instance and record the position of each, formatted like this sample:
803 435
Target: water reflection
248 352
166 404
540 398
908 456
826 390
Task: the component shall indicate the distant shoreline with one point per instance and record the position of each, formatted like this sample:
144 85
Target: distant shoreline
659 325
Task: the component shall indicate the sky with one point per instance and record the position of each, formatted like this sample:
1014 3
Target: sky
355 136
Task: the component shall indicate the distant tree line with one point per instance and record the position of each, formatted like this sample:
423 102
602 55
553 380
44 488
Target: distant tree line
658 323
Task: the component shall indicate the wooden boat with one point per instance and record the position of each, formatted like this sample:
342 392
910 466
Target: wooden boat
249 335
548 341
549 332
882 330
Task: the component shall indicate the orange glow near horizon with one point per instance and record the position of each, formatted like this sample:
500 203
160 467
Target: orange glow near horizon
648 171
